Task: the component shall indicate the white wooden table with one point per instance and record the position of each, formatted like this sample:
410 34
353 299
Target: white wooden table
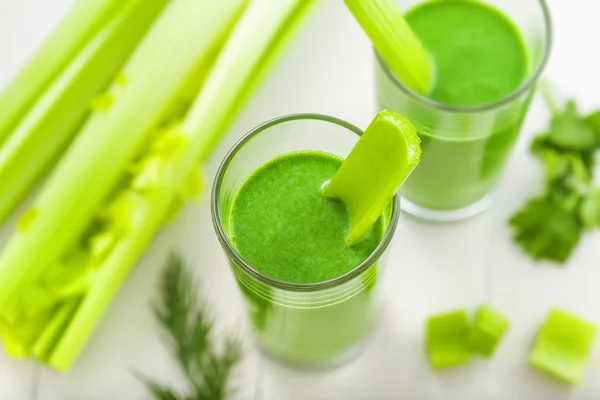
328 69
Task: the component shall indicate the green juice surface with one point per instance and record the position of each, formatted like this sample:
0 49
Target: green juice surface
479 57
284 226
478 53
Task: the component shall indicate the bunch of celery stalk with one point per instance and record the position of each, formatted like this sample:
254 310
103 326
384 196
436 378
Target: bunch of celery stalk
118 109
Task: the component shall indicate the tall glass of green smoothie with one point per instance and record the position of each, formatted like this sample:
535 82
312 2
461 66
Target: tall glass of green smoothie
487 57
312 299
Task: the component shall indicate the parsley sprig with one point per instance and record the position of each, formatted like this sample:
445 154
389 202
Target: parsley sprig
188 334
550 226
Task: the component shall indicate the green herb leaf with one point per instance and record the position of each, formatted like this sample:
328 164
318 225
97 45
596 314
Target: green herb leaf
593 121
589 212
549 227
546 230
218 369
163 393
556 164
183 316
569 131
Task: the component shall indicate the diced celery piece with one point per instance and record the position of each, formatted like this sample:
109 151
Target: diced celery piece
487 331
563 346
448 339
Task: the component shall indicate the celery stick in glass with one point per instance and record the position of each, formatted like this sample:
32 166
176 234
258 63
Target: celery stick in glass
395 41
50 124
370 176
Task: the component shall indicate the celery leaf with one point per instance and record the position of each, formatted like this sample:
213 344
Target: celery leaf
546 230
569 131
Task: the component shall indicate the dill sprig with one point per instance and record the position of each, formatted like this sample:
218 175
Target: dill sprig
188 330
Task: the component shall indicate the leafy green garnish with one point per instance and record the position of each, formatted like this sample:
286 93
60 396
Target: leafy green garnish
589 212
550 226
569 130
546 230
183 317
593 121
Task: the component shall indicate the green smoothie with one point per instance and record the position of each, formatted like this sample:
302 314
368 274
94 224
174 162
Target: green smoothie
286 228
479 57
283 226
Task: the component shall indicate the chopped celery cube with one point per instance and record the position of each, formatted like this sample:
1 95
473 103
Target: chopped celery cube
448 339
563 346
487 331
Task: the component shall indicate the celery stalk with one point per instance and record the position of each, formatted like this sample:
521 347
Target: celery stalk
51 123
51 333
95 163
395 41
252 43
231 58
71 35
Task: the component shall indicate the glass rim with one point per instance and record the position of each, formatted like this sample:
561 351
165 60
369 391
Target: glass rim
239 261
523 87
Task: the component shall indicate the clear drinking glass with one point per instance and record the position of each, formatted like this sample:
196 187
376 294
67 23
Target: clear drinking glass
321 323
465 148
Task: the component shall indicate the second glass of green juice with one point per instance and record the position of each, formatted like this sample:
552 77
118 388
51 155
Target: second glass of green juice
312 299
487 57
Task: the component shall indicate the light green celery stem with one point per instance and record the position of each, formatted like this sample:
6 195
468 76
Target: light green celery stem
70 286
395 41
18 337
50 125
278 43
53 330
61 284
181 40
66 41
263 23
